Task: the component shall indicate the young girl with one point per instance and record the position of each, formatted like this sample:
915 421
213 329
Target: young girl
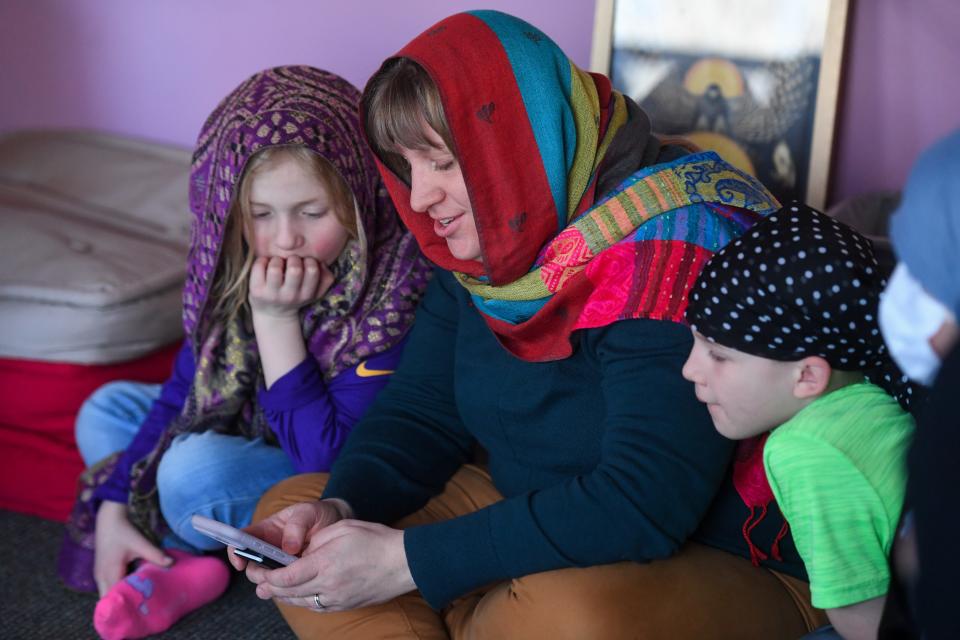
786 342
301 286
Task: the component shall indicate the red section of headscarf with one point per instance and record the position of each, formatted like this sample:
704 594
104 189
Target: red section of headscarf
494 144
750 481
500 148
654 285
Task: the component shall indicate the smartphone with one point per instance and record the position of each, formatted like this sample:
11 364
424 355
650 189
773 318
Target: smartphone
244 544
259 558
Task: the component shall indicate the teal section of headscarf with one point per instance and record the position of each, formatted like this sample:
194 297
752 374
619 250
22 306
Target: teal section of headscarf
513 312
543 75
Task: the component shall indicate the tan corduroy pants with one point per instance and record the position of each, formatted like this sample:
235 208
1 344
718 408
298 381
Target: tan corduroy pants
699 593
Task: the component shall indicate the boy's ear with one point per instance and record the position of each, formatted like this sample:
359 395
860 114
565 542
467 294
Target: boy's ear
813 377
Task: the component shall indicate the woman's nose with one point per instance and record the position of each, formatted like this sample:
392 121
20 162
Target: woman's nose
424 190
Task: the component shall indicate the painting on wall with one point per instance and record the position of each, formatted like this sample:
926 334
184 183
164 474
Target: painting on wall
754 80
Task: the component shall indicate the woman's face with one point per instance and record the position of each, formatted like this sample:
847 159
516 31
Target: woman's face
437 189
292 213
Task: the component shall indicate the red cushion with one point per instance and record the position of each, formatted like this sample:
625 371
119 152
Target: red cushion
39 461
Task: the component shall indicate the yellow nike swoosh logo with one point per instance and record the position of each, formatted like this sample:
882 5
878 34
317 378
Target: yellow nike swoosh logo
363 372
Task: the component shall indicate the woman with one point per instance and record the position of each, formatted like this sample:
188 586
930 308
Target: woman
551 337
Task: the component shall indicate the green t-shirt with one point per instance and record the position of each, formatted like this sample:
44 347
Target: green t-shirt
838 471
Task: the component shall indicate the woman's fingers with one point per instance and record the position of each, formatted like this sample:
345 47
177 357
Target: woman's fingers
257 574
349 564
288 528
236 561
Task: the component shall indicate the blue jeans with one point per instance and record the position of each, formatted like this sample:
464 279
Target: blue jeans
110 418
218 476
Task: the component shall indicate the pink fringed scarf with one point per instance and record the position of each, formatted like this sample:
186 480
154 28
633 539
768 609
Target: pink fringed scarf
750 481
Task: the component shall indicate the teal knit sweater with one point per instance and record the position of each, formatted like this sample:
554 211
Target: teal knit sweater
602 457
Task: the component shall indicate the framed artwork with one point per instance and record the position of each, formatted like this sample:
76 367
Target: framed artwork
754 80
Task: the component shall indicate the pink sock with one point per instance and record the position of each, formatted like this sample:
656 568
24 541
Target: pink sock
152 598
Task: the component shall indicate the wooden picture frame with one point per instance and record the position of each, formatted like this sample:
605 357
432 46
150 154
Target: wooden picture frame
712 71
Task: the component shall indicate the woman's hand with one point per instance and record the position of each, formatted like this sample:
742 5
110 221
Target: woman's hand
117 544
280 286
291 528
347 565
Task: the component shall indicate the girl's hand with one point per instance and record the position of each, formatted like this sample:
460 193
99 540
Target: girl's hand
118 543
280 286
347 565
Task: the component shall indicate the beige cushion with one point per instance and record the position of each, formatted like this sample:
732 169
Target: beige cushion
94 230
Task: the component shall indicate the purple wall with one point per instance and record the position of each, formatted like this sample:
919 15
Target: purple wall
900 90
156 69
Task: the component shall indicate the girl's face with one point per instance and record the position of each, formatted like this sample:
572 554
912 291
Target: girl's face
437 189
292 213
746 395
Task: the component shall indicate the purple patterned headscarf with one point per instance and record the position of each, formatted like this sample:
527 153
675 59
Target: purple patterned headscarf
383 274
380 278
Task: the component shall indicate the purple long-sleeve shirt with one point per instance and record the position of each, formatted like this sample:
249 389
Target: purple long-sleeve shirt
311 418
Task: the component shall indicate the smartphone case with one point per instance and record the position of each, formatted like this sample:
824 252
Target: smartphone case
239 539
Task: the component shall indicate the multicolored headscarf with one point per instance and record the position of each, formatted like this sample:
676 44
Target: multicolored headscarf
381 275
538 141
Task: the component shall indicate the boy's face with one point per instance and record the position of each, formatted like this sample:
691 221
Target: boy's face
746 395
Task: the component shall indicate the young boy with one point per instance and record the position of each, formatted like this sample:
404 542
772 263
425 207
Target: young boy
786 341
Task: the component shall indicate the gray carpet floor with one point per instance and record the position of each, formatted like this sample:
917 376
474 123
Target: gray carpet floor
34 604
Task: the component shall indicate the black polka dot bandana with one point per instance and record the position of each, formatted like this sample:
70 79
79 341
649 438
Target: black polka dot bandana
797 284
